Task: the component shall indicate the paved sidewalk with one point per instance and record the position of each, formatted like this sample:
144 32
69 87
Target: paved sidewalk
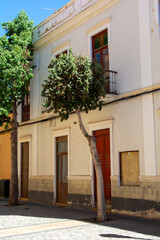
39 222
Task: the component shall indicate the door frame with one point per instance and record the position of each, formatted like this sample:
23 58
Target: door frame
94 126
23 140
55 134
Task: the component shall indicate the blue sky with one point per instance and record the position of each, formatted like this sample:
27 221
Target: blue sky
10 8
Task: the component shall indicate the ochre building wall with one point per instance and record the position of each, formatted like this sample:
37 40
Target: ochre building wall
5 155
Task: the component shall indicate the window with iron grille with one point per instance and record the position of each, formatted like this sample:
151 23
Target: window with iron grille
26 106
100 53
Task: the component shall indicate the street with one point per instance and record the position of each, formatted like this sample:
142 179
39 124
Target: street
33 221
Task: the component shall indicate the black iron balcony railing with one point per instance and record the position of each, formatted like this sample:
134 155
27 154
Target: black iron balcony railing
110 77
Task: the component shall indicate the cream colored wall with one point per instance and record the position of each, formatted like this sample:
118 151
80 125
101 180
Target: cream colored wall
157 129
127 136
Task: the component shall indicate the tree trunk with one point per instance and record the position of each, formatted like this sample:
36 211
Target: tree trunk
101 211
13 196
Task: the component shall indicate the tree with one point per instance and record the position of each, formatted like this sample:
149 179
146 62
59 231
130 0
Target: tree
75 84
16 51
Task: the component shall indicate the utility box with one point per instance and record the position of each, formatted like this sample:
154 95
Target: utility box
4 188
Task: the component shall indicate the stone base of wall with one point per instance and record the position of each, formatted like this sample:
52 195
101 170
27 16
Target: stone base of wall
132 198
41 197
80 201
134 205
136 198
79 188
41 189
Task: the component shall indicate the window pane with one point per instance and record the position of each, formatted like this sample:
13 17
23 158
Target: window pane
101 41
62 146
97 57
59 168
105 36
105 59
96 43
65 169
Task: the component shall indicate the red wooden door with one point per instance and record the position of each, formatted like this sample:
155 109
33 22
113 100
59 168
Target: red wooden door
24 169
103 148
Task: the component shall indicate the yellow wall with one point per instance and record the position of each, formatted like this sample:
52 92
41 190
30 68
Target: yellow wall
5 155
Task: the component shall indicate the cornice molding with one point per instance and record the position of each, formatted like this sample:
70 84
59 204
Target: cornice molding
55 14
24 138
63 45
98 25
105 121
74 22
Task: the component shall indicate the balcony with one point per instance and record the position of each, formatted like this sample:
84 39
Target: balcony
110 77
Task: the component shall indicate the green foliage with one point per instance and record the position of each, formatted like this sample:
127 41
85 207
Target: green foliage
16 51
74 82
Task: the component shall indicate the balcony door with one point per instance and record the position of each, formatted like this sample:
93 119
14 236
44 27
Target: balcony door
101 54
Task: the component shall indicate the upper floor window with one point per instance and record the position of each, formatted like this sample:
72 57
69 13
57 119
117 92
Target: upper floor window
26 106
100 54
100 49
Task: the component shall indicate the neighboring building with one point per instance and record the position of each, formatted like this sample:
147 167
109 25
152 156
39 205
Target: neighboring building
55 165
5 154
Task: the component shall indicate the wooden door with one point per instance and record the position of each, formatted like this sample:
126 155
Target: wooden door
24 169
103 148
62 170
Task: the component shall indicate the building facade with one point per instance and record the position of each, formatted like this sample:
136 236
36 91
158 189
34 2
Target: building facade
55 165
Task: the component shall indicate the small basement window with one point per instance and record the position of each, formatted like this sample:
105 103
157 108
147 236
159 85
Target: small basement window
129 168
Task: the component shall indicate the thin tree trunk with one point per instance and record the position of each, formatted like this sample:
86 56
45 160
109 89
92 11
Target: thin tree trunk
13 196
101 211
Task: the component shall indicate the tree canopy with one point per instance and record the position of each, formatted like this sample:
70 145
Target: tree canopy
16 50
74 82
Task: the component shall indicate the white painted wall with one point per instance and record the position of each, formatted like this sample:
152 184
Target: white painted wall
123 50
134 53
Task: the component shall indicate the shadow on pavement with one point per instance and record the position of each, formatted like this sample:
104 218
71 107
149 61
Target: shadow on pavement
38 210
120 236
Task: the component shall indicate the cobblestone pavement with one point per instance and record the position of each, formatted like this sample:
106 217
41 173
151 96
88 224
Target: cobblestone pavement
36 222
